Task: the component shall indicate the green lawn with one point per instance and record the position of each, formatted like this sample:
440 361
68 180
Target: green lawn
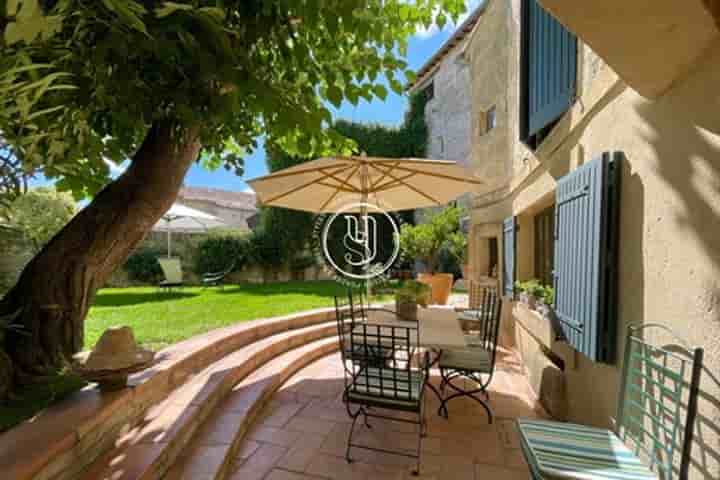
160 318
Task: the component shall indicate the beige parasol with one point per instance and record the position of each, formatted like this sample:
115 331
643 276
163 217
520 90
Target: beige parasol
392 184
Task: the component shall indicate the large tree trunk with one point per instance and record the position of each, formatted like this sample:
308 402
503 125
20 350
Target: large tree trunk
56 288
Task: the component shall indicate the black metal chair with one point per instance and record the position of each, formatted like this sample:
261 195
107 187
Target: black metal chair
655 422
476 361
381 371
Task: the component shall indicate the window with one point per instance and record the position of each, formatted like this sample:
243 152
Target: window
490 120
548 64
586 254
441 144
429 91
545 245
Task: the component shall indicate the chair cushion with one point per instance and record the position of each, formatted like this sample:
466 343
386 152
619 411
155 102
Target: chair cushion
557 450
394 392
472 359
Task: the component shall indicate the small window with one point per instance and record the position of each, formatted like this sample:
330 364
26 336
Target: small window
429 91
490 120
545 245
441 143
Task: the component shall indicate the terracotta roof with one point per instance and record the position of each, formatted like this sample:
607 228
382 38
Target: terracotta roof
221 198
456 39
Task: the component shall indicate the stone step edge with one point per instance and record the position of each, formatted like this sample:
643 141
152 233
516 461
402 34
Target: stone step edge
292 362
80 421
185 426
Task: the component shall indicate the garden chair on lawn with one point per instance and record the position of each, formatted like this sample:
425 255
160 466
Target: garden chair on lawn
375 379
476 361
650 429
173 273
214 279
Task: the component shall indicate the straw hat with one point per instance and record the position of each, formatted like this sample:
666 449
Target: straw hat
116 350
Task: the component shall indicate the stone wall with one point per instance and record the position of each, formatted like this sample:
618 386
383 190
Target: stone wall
669 226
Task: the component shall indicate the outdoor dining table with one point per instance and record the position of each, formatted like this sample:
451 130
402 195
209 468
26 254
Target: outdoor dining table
438 328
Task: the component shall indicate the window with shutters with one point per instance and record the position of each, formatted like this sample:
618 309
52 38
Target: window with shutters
509 247
544 245
548 65
586 233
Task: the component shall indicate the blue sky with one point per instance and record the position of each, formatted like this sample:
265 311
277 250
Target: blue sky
389 112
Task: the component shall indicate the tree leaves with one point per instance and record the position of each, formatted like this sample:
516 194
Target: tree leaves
230 70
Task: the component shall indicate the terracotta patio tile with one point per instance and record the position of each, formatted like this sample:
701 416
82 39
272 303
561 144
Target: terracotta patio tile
298 457
328 466
275 436
277 414
260 463
247 448
493 472
310 425
516 459
278 474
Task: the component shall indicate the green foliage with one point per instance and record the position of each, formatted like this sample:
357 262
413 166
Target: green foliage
41 213
143 266
426 241
303 262
457 246
414 291
217 253
264 250
544 293
81 82
289 229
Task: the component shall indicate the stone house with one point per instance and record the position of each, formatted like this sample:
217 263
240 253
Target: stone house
589 111
236 209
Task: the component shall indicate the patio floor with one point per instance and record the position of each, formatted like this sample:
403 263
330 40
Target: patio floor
302 433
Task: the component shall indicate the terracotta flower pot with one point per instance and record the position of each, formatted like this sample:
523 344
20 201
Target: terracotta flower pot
440 285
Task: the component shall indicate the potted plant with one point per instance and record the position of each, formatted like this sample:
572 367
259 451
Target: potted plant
424 242
546 300
457 247
411 294
529 292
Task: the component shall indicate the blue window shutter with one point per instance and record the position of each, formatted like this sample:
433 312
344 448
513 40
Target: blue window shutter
586 229
509 244
550 63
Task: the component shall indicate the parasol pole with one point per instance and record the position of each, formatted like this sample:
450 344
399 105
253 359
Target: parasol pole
364 188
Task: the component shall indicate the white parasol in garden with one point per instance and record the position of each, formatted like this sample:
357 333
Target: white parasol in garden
180 218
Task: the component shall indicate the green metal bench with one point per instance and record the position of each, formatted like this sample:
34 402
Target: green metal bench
651 429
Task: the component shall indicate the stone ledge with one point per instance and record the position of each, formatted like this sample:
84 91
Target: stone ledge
66 430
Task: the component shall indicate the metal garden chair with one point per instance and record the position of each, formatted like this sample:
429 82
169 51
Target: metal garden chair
380 373
214 279
476 362
650 426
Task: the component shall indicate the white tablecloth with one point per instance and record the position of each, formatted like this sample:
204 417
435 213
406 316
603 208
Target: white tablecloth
439 327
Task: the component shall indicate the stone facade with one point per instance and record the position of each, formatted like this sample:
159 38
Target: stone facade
669 265
233 208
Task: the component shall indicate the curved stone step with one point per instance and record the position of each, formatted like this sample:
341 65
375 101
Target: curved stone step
151 448
87 424
212 451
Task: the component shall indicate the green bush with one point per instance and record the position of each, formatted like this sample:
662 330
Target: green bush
217 253
142 266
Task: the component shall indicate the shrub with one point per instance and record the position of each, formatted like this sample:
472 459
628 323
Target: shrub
219 252
142 266
427 241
